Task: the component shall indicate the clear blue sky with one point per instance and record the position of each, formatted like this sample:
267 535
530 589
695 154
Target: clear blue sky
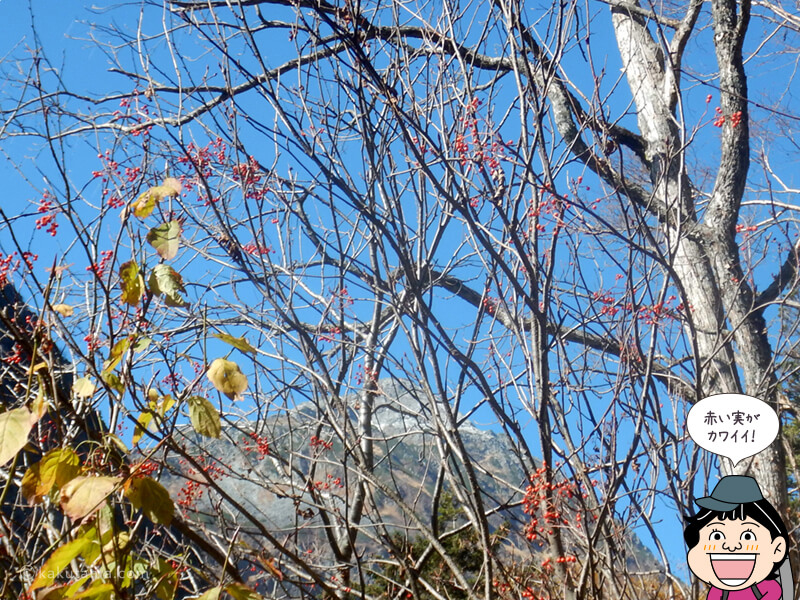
64 28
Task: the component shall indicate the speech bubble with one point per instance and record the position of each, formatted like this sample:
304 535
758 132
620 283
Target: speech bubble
732 425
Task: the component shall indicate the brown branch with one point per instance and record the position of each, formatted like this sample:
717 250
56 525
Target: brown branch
792 21
786 275
729 31
570 334
635 9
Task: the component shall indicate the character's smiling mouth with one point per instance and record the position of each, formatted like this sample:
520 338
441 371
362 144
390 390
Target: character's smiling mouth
733 569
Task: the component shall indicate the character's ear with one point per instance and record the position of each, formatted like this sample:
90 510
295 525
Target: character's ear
778 548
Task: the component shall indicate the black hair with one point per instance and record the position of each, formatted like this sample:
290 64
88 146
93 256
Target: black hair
760 511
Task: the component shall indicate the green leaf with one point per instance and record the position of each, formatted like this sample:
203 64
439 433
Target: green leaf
112 439
166 578
144 205
15 426
212 594
204 417
147 494
239 343
113 381
135 570
242 592
84 495
56 468
60 558
131 282
83 387
165 239
141 344
227 377
165 280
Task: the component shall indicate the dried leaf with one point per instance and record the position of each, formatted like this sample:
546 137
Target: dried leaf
174 185
15 426
65 310
83 387
227 377
84 495
269 564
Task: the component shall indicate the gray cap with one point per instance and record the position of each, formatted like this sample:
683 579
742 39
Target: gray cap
730 492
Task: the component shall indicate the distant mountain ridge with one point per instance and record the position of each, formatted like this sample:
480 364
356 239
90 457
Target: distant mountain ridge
407 459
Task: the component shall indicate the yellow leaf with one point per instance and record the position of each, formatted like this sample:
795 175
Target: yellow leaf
115 356
113 381
60 558
144 205
65 310
131 282
160 409
142 423
15 426
98 590
56 468
141 344
83 387
239 343
84 495
227 377
61 592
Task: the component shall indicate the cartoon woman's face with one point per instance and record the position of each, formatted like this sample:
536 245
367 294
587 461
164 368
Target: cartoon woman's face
735 554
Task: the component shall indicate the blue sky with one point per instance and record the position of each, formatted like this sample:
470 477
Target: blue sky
65 29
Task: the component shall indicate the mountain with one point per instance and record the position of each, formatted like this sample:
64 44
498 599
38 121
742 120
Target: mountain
313 446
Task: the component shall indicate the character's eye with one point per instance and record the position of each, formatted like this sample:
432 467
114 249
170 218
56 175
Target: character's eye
716 536
748 536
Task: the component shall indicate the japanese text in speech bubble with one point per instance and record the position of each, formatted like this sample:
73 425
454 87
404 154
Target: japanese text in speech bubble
732 425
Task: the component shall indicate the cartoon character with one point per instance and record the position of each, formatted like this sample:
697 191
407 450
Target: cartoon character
738 544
